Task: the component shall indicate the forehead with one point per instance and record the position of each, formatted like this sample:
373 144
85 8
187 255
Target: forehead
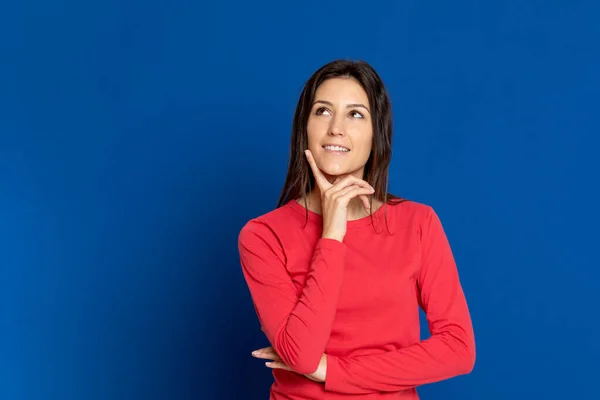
346 90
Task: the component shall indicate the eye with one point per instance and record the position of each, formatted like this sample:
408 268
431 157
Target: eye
320 110
354 112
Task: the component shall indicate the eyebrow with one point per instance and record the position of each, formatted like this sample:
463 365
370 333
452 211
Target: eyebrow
347 106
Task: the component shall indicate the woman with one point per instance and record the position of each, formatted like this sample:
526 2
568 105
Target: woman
338 271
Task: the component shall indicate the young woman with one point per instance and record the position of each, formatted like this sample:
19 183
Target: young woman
337 272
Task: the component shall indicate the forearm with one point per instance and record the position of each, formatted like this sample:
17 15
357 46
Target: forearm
297 323
301 339
440 357
448 352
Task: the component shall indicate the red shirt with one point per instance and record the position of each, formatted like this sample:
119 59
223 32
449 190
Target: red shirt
358 302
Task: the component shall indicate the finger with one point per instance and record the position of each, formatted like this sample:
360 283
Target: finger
366 202
271 356
353 188
319 177
350 192
266 353
262 350
365 199
350 180
335 187
342 191
278 365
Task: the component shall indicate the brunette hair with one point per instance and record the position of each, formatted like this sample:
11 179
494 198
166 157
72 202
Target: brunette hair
299 179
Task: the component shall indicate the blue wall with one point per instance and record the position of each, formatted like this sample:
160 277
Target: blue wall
136 138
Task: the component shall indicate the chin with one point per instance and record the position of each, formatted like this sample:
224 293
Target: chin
337 167
338 170
333 169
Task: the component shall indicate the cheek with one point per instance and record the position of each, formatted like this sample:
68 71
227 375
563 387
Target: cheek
314 132
363 142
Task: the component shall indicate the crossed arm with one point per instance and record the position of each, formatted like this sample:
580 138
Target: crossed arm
298 326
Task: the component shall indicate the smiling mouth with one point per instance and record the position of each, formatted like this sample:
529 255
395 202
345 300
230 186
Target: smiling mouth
336 149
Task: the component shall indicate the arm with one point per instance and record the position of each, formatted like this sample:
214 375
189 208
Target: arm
448 352
297 324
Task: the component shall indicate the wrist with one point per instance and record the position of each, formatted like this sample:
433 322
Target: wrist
321 373
333 236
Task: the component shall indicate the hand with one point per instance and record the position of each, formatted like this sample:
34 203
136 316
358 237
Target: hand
336 197
269 353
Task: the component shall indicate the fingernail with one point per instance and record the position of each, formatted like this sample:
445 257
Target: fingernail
255 352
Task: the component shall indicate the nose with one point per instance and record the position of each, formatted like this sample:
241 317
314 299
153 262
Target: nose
336 127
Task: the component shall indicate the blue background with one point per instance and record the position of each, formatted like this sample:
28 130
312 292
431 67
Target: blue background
137 137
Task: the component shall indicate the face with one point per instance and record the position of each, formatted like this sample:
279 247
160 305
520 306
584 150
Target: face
339 127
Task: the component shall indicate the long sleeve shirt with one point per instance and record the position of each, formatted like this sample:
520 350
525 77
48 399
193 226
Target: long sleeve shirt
357 301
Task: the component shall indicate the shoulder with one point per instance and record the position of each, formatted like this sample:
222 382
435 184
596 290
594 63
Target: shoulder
424 218
406 213
409 206
266 228
419 218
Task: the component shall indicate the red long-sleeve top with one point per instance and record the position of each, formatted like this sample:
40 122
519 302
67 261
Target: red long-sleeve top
358 302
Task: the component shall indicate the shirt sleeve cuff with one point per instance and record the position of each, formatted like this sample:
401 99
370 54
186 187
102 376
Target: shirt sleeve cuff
330 244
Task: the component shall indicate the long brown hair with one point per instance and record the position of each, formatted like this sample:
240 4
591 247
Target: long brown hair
300 180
